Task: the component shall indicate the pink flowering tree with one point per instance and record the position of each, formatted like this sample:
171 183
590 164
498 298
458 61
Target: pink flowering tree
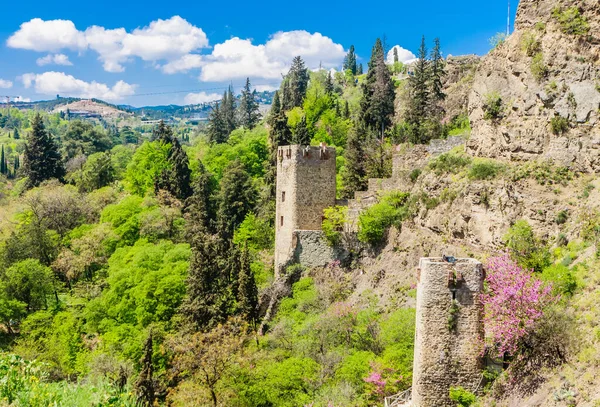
514 301
383 381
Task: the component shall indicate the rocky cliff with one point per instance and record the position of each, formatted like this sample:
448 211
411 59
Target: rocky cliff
537 95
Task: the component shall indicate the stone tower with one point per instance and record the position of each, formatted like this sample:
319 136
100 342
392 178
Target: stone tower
449 330
305 186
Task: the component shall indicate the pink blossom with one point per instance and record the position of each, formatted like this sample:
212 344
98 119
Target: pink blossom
514 301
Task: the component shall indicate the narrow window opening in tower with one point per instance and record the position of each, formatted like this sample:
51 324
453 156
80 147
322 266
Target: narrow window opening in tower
282 196
453 295
281 221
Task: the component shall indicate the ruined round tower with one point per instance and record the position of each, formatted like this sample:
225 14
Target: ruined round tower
449 330
305 187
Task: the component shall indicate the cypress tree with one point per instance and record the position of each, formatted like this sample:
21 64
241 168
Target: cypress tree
236 198
354 176
346 110
396 55
3 166
144 386
16 134
437 73
177 178
42 159
301 135
228 105
359 70
200 211
350 61
217 130
329 84
249 107
279 130
298 78
247 292
377 103
419 97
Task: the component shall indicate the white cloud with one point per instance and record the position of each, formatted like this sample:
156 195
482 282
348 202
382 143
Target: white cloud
238 58
160 40
404 55
5 84
201 97
47 36
56 59
183 64
268 88
51 83
22 99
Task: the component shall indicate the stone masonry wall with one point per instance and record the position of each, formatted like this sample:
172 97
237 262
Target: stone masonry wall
444 356
311 249
305 187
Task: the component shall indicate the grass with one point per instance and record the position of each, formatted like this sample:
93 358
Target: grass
559 125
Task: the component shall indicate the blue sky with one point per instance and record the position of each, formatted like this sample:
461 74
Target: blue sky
150 52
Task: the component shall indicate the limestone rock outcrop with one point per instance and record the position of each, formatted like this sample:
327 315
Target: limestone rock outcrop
548 83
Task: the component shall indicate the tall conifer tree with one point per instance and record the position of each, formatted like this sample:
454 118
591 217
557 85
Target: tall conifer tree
217 129
236 197
247 293
42 159
177 178
3 166
354 176
350 61
297 80
301 135
419 96
249 113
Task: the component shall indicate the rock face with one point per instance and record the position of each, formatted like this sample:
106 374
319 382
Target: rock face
548 82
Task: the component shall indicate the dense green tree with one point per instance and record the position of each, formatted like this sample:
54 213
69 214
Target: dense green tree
396 55
236 198
377 103
42 159
200 206
16 134
346 110
436 77
329 89
279 131
3 165
301 135
228 108
359 70
250 116
97 172
217 128
176 177
350 61
297 80
247 293
354 175
144 385
29 282
420 97
84 138
206 302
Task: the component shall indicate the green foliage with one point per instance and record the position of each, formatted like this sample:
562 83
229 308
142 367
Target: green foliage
530 44
124 217
539 70
497 40
544 172
459 125
482 169
562 279
414 175
559 125
571 21
450 162
148 163
257 233
374 222
493 107
29 283
334 219
462 397
529 251
561 217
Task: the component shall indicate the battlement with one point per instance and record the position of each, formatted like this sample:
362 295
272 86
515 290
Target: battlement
305 153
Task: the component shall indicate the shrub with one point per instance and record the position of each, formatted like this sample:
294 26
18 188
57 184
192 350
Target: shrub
540 26
514 301
484 169
375 221
459 125
562 279
497 40
448 195
414 174
561 217
463 398
559 125
539 70
492 106
526 248
530 44
333 223
571 21
452 162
